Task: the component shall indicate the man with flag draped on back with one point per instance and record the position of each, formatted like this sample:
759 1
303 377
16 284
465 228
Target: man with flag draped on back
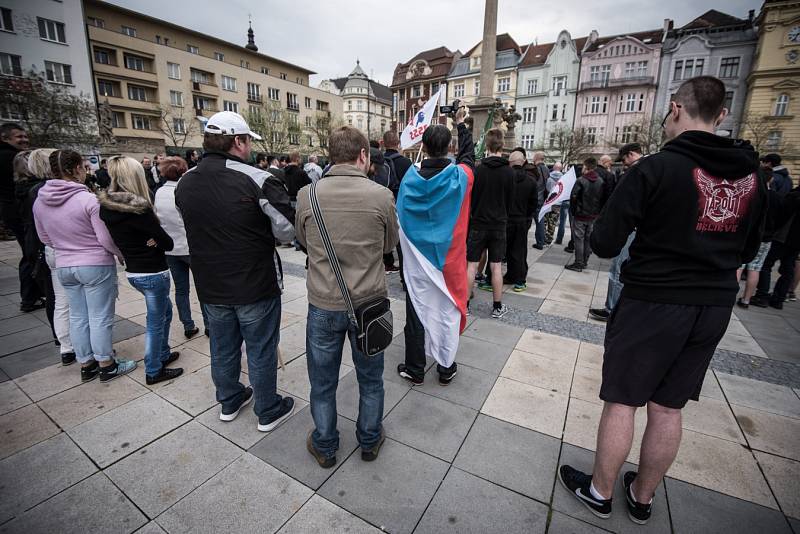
433 211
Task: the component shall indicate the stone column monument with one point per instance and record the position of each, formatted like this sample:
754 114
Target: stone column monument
485 102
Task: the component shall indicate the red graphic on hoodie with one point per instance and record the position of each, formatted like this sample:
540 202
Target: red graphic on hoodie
722 203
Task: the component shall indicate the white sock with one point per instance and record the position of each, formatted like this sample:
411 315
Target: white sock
635 498
595 493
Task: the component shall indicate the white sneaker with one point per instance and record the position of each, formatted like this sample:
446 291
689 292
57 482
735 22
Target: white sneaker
227 417
499 312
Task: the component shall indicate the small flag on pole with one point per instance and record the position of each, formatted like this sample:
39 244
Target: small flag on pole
412 134
561 192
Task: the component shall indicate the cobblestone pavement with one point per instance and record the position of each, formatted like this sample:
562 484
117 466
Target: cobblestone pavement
477 456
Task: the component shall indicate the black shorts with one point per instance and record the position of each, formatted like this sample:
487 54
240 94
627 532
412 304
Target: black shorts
659 352
480 240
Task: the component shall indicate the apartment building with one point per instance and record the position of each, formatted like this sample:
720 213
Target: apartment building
162 81
546 89
416 80
366 104
464 78
715 44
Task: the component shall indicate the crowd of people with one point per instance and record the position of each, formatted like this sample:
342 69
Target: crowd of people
680 225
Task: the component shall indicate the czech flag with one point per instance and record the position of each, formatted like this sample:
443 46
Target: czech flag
434 218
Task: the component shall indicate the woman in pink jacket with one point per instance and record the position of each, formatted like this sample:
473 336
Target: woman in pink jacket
67 219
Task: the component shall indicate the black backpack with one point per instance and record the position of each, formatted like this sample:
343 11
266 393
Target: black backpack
394 178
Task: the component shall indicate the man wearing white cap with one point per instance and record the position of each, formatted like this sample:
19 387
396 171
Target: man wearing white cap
233 217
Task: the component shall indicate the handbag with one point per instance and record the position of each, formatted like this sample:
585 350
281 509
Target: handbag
372 320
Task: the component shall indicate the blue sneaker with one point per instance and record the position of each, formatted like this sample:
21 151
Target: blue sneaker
116 369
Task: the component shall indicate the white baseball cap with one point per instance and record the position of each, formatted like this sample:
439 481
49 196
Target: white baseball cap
229 123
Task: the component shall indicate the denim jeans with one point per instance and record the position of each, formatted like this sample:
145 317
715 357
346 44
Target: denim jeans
614 284
562 220
155 289
258 325
91 290
325 333
538 234
581 233
179 267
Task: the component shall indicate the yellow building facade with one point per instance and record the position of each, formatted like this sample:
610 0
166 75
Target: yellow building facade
772 112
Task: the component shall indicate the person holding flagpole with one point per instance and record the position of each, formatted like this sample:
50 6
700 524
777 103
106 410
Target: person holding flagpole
433 210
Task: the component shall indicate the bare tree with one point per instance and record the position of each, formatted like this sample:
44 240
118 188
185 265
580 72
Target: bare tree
51 113
757 129
177 125
322 125
277 127
568 145
646 131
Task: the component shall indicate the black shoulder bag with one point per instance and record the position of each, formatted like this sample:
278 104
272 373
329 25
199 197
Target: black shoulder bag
373 319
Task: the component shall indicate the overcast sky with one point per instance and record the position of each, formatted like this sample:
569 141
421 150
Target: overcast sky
327 36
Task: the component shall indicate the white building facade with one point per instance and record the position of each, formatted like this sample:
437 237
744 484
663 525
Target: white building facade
366 104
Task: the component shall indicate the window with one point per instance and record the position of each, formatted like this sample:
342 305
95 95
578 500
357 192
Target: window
283 76
629 134
476 62
636 69
551 142
349 105
529 115
416 91
136 92
728 102
228 83
174 71
201 76
554 115
134 62
729 67
774 139
383 110
476 89
559 85
360 123
192 49
434 87
227 105
140 122
176 98
106 88
359 105
253 91
527 141
117 119
598 104
58 72
105 56
274 94
291 101
10 65
294 139
97 23
591 135
6 23
309 122
219 56
265 70
50 30
630 102
255 111
179 126
533 86
203 103
600 74
563 112
130 32
688 68
781 105
641 101
458 90
307 102
504 84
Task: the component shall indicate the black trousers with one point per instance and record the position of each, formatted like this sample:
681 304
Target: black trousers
516 252
414 334
28 290
787 256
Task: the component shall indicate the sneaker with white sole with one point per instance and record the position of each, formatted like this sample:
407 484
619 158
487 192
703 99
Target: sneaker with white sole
231 413
499 312
116 369
637 512
268 425
578 484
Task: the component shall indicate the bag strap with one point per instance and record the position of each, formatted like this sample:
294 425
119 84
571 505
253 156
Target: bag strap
332 259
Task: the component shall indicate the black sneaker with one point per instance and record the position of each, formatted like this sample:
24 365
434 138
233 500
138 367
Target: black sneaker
742 304
538 247
370 455
574 267
230 414
206 332
116 369
577 483
638 513
778 305
601 314
446 378
30 307
90 372
173 357
68 358
569 250
403 371
326 462
761 302
189 334
163 376
268 425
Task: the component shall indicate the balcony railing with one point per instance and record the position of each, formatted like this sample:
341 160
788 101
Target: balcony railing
254 98
618 82
293 107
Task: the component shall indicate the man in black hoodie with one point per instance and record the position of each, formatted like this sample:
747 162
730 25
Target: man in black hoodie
521 212
698 207
296 177
491 196
585 202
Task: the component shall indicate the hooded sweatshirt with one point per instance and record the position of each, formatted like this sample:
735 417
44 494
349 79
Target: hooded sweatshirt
587 197
698 208
492 193
781 181
522 208
67 218
132 223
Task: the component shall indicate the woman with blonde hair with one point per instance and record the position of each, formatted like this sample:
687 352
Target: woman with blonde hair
67 218
128 213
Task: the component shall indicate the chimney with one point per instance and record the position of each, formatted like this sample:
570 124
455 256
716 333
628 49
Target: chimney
751 15
668 24
592 38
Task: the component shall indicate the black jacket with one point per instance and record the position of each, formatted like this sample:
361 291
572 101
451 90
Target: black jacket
525 200
26 192
232 222
609 180
491 194
132 223
698 208
7 153
296 179
399 164
588 197
541 182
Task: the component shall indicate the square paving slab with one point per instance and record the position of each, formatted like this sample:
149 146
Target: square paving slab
11 397
347 396
760 395
49 381
783 476
494 332
320 515
528 406
564 524
470 387
768 432
483 355
79 404
24 427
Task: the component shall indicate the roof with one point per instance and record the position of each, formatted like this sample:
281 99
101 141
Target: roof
168 24
379 91
712 19
536 55
647 37
503 42
439 60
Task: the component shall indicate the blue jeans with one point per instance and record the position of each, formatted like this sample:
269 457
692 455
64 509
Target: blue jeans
155 289
257 325
539 232
325 333
179 267
562 220
91 291
614 284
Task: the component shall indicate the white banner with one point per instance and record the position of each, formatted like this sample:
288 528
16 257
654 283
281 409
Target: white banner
412 134
560 192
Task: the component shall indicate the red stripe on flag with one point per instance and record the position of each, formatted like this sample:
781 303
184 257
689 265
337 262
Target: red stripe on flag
455 264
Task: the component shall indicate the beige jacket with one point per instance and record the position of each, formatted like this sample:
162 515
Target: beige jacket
362 223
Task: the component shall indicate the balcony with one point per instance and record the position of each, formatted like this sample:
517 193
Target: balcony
293 106
257 99
618 82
